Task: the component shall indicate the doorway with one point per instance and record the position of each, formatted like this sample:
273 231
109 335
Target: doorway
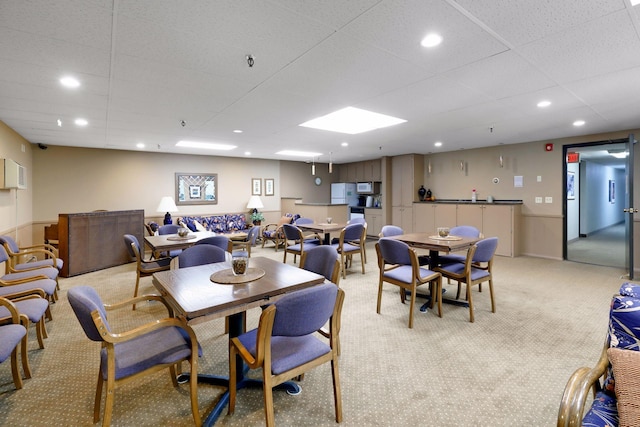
594 203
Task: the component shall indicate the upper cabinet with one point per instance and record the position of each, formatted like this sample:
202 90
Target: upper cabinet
369 170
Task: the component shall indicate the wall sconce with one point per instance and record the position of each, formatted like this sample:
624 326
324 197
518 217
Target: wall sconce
462 165
313 166
330 163
429 167
501 161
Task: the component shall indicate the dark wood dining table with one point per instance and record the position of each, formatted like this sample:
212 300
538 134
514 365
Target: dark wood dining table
194 297
323 228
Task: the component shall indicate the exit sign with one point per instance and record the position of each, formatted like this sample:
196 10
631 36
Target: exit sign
573 157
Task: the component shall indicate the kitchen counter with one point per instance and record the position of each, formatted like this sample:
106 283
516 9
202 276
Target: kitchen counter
469 202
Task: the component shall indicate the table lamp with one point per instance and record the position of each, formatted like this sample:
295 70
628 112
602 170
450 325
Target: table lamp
167 205
255 203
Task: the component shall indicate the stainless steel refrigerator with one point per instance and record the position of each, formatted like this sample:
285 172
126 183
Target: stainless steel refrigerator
344 193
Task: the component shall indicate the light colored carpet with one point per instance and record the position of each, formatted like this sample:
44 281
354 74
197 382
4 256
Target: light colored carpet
506 369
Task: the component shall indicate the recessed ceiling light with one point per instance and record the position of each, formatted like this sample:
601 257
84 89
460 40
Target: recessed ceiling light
59 122
352 120
438 144
298 153
247 153
205 145
140 145
70 82
345 144
81 122
431 40
579 123
618 153
635 2
543 104
237 131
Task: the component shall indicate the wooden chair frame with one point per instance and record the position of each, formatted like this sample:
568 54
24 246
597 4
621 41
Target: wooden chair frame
17 319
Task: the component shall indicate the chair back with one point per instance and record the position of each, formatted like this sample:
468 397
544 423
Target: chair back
291 232
485 250
128 240
200 255
223 242
304 312
353 232
254 232
394 251
13 246
4 256
357 221
391 230
168 229
323 260
304 221
84 300
464 231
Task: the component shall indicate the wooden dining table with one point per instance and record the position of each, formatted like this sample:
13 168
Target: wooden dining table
323 228
196 298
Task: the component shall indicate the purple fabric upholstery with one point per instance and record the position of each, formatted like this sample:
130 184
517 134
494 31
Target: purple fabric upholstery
47 285
391 230
394 251
168 229
321 260
220 241
34 264
10 336
462 231
200 255
84 300
223 223
33 308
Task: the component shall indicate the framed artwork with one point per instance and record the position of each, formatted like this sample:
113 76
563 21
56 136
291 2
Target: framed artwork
256 187
268 187
196 189
612 191
571 185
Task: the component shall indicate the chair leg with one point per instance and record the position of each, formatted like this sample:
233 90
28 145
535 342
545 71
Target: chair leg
268 399
108 401
135 291
493 303
24 348
362 260
39 326
96 404
412 303
193 390
438 294
337 394
470 301
15 371
380 295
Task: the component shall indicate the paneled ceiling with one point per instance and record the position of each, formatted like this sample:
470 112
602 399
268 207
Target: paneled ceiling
145 66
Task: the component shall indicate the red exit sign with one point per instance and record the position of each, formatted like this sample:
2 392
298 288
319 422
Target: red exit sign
573 157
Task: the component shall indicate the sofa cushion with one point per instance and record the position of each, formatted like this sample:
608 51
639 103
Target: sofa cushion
603 412
626 368
224 223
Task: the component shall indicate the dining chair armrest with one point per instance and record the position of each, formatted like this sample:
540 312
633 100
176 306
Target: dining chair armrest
28 292
140 298
22 281
138 331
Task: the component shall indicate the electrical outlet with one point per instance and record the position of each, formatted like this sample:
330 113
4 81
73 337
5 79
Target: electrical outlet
548 199
538 199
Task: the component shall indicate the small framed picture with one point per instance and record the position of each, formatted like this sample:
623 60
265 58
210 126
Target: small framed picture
571 185
194 191
612 191
268 187
256 187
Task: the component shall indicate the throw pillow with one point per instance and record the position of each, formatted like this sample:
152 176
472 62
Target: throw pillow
199 227
626 370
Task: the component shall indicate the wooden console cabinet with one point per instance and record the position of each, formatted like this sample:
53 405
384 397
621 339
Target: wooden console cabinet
94 240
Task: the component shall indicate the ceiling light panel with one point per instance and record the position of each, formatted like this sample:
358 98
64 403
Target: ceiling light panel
205 145
352 121
295 153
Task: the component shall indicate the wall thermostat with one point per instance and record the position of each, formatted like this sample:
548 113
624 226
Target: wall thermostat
496 180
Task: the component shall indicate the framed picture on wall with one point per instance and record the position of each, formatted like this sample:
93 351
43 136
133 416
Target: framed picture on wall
268 187
196 189
571 185
612 191
256 187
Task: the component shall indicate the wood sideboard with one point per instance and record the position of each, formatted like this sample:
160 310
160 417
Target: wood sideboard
94 240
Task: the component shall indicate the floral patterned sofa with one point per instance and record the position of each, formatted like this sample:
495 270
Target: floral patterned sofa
615 401
223 223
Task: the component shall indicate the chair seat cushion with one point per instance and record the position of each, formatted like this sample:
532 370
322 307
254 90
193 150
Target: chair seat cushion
347 247
33 308
10 336
457 268
451 258
404 273
307 244
41 263
49 272
603 412
164 346
287 352
47 285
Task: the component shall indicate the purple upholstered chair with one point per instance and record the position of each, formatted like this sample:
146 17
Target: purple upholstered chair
15 252
301 243
144 268
200 255
323 260
461 231
474 271
42 278
12 334
148 348
284 345
32 306
352 240
398 265
391 230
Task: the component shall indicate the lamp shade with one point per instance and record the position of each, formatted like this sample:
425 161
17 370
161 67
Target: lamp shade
255 203
167 205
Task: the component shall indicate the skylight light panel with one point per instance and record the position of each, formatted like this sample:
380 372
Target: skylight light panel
352 120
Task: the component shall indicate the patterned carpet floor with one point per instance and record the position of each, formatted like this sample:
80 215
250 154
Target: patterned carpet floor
508 368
